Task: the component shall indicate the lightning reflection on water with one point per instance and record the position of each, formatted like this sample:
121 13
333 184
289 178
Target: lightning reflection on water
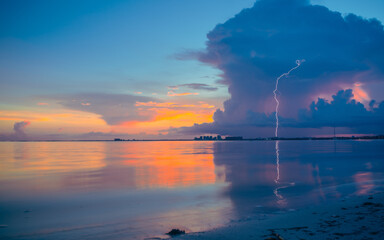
281 200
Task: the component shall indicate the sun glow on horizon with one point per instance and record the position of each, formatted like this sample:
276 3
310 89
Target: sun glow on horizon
164 119
154 118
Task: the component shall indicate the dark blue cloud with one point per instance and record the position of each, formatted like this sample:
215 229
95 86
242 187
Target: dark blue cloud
196 86
260 43
342 111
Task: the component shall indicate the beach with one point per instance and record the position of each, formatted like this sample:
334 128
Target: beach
359 217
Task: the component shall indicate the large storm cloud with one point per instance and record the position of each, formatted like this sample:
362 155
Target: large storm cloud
260 43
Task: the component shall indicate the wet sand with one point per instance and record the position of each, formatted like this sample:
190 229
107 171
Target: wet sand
360 217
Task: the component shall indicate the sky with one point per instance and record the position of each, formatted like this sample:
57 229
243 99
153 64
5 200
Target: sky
157 69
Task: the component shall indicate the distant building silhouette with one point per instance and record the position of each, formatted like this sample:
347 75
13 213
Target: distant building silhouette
217 138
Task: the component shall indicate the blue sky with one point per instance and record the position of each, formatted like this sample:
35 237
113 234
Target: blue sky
53 51
57 43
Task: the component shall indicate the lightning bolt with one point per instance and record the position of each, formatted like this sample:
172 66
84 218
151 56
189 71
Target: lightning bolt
298 63
281 200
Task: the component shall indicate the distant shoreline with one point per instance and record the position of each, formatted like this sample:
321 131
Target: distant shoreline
222 140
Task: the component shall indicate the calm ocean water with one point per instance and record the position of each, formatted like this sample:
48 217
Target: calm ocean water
135 190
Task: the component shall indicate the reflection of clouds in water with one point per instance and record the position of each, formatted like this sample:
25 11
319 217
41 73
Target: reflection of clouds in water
220 173
30 159
191 183
146 165
55 166
291 174
364 182
133 188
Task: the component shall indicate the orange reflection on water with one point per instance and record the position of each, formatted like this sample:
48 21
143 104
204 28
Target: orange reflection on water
26 159
171 164
58 166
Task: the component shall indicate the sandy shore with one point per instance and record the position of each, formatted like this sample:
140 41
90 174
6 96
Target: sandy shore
359 217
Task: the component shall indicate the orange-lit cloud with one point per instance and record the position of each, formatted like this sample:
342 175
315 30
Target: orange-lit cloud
173 94
173 105
206 105
164 118
159 116
42 104
359 94
173 87
155 104
170 114
166 115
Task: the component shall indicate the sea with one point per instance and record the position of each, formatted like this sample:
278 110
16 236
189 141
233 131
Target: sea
144 189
